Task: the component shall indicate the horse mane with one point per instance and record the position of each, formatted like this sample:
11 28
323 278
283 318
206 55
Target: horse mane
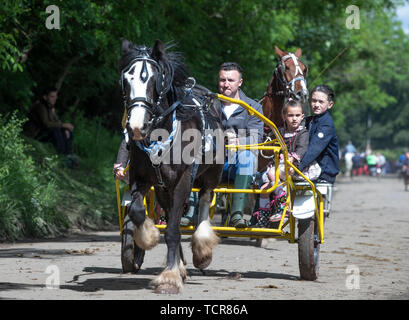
177 61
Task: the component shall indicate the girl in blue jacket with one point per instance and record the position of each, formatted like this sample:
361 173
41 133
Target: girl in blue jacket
323 142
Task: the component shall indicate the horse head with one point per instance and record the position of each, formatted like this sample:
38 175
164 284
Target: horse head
292 73
145 80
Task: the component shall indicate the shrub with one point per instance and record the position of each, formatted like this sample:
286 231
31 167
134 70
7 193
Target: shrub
28 193
96 146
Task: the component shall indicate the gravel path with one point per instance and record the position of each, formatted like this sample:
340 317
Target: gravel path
365 256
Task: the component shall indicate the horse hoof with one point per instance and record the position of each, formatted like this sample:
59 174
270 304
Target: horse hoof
136 268
202 263
166 289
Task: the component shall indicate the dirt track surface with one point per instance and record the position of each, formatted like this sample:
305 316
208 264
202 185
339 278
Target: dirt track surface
365 256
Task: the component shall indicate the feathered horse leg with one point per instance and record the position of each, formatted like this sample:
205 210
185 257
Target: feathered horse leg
171 279
204 239
146 235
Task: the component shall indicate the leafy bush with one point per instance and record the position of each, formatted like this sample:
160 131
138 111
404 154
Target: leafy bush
93 143
89 190
28 193
40 196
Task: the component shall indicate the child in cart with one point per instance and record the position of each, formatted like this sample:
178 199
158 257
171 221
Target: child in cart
323 142
296 138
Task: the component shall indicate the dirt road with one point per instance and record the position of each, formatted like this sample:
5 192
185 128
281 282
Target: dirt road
365 256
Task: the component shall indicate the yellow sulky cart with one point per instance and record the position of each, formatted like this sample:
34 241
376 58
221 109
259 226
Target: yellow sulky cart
307 204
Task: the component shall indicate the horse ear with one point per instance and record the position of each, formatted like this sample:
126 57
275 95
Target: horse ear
158 50
126 45
298 53
279 52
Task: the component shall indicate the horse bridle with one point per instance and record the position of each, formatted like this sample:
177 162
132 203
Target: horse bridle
163 84
289 87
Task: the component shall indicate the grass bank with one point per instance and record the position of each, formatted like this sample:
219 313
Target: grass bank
40 196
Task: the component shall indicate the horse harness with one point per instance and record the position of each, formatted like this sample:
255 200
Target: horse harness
288 87
201 104
163 86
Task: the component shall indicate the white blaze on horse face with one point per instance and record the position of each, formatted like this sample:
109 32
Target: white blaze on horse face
302 79
137 120
298 76
297 66
138 89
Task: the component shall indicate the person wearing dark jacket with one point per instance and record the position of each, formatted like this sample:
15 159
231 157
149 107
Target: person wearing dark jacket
44 125
241 128
323 142
122 161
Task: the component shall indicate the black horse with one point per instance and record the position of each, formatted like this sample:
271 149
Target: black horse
162 109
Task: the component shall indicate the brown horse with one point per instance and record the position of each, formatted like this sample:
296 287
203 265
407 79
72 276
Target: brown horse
288 82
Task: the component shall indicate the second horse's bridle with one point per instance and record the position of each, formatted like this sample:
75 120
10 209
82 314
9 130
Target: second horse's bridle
289 86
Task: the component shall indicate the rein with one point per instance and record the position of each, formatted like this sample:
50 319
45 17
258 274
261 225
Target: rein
163 85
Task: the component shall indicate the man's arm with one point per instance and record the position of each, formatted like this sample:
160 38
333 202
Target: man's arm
123 154
121 161
255 123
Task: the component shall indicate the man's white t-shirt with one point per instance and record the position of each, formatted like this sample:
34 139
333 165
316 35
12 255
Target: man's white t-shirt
229 110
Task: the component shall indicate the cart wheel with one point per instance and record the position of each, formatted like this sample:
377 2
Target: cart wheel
308 249
131 255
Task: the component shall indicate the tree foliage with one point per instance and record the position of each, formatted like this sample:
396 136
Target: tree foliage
369 73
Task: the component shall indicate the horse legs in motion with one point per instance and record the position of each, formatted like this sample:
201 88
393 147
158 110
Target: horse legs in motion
204 239
146 235
171 279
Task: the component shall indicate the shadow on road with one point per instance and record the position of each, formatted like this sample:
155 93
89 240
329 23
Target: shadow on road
93 285
142 279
